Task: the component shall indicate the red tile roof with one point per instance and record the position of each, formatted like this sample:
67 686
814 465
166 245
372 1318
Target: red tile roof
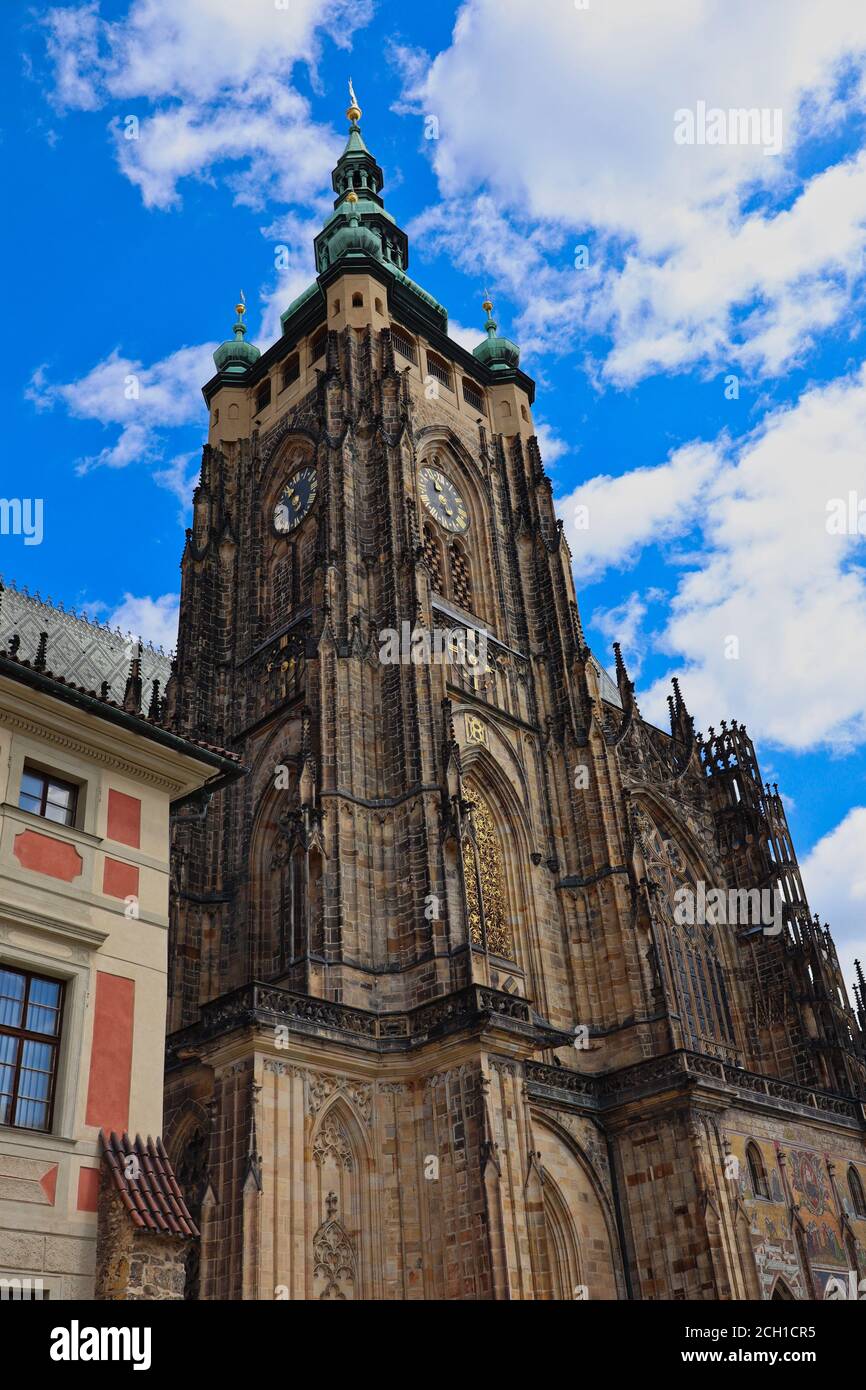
152 1198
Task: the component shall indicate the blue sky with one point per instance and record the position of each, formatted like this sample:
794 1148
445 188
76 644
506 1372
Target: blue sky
707 500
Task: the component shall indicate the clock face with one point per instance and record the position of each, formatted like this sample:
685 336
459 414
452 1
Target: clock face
297 498
443 501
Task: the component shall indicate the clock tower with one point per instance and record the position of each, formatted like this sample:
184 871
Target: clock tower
429 1012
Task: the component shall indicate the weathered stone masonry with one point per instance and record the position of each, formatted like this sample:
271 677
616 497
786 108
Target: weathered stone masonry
384 938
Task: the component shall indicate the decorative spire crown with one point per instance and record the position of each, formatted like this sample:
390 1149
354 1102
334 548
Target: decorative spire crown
499 354
360 231
240 327
236 355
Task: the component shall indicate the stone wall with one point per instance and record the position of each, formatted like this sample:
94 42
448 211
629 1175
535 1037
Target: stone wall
132 1264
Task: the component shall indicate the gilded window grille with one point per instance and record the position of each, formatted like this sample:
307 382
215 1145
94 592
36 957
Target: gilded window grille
485 887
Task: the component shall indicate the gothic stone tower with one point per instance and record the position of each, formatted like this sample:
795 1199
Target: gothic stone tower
385 936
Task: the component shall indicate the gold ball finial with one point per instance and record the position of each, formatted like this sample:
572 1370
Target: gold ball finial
354 111
487 306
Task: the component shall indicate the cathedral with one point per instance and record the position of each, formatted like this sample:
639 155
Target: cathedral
480 986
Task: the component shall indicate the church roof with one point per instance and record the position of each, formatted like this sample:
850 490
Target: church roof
82 652
57 651
143 1175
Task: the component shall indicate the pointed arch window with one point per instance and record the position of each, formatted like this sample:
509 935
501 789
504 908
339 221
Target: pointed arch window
757 1172
283 905
690 951
461 578
433 557
485 886
855 1187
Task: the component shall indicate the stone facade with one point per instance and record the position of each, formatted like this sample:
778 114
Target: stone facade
384 938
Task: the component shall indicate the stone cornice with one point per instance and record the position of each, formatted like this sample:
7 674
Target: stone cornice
64 928
688 1071
476 1009
89 751
47 708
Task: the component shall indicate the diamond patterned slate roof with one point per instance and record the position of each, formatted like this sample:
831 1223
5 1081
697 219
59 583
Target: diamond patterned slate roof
85 653
144 1177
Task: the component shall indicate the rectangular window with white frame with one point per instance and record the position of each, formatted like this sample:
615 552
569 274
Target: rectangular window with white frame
50 797
31 1013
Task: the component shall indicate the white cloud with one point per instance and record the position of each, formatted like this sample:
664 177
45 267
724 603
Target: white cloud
609 521
761 568
291 237
834 876
623 623
180 478
552 446
469 338
705 254
218 77
142 400
153 619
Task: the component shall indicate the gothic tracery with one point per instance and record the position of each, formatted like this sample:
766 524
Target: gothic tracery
485 892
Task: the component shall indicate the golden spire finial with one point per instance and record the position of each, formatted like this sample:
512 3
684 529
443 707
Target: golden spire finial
354 111
241 306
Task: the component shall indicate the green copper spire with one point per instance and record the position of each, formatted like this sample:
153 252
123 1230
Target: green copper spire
360 224
499 354
235 355
360 233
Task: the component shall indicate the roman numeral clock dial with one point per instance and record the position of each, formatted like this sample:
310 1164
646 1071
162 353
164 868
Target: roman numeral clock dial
443 501
296 499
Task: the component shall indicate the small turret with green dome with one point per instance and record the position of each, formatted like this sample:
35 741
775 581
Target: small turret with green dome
235 355
362 245
499 354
